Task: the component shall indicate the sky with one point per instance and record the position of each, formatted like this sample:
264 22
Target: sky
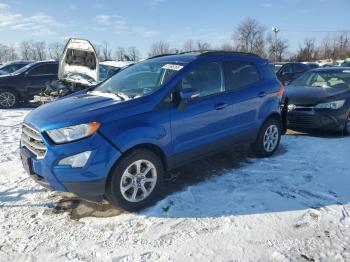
141 22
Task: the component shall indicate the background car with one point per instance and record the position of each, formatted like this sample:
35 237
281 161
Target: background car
320 99
291 71
11 67
346 64
110 68
26 82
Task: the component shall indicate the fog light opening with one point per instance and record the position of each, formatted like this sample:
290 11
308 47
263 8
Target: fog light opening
75 161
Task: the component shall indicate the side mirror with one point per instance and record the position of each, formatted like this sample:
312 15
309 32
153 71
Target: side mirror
186 95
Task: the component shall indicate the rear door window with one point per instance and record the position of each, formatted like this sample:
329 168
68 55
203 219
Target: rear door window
298 68
287 69
241 74
39 70
207 78
52 69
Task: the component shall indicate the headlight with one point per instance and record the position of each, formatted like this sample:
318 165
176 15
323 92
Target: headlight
72 133
331 105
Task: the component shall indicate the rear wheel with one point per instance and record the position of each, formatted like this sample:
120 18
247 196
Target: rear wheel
268 138
136 180
8 98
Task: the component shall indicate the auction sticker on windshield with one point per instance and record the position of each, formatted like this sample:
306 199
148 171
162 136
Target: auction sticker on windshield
173 67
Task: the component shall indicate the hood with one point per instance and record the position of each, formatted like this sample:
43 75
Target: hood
79 63
309 96
82 108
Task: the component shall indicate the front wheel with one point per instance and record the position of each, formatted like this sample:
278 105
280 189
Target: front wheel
268 138
8 99
136 180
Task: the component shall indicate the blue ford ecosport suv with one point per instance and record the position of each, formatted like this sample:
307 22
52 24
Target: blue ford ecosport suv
116 140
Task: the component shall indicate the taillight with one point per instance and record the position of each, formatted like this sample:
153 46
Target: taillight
281 91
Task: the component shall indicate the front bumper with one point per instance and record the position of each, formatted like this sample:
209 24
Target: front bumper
313 119
87 182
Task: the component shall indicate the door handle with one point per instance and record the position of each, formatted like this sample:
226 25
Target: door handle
262 94
220 106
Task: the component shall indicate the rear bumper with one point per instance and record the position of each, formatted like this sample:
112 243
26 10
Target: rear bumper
309 119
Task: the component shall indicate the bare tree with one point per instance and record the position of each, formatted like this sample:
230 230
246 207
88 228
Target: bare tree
7 53
26 51
159 48
227 47
106 52
39 51
189 46
276 46
133 54
307 51
55 50
249 37
120 54
202 46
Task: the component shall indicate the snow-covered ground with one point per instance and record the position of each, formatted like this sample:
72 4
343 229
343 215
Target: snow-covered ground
293 206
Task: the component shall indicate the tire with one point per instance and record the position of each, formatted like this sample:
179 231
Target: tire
124 180
346 131
8 98
268 139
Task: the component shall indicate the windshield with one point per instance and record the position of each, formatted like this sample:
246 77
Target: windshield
140 79
325 79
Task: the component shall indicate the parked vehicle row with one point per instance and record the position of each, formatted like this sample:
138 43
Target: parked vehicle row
116 140
46 81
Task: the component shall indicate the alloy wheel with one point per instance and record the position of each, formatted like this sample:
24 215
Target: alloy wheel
138 181
7 99
271 137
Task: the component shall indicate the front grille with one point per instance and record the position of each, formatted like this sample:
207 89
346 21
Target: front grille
32 141
302 120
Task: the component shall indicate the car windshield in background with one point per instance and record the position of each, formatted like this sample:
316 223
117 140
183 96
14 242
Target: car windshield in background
339 79
140 79
107 71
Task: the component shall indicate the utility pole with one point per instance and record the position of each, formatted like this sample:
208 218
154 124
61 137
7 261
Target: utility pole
275 30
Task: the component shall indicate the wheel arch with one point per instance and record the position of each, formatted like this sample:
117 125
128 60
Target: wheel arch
11 88
145 146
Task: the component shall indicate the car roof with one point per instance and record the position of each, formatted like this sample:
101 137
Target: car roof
44 62
18 62
330 69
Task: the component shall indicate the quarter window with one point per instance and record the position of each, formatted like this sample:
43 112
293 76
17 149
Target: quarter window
241 74
207 78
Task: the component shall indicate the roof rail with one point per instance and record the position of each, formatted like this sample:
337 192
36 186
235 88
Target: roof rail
207 52
151 57
218 52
